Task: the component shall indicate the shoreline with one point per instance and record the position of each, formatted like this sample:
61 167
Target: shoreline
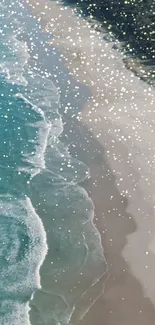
124 285
123 299
90 290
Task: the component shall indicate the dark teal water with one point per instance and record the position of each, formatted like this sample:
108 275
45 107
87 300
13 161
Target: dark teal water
33 162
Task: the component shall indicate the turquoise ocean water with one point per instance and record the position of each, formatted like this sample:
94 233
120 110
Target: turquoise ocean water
36 166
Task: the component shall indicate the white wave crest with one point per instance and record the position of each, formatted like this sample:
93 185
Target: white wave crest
21 254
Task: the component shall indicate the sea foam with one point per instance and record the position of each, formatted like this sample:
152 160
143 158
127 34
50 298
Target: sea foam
54 176
23 249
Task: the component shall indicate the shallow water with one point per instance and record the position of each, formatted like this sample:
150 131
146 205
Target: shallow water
42 208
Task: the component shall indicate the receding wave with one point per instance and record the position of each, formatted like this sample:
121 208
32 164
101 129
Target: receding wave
75 261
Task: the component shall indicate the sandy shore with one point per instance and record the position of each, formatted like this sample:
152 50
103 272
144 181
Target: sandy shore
115 128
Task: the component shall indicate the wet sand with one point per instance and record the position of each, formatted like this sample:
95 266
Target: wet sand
123 300
114 136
